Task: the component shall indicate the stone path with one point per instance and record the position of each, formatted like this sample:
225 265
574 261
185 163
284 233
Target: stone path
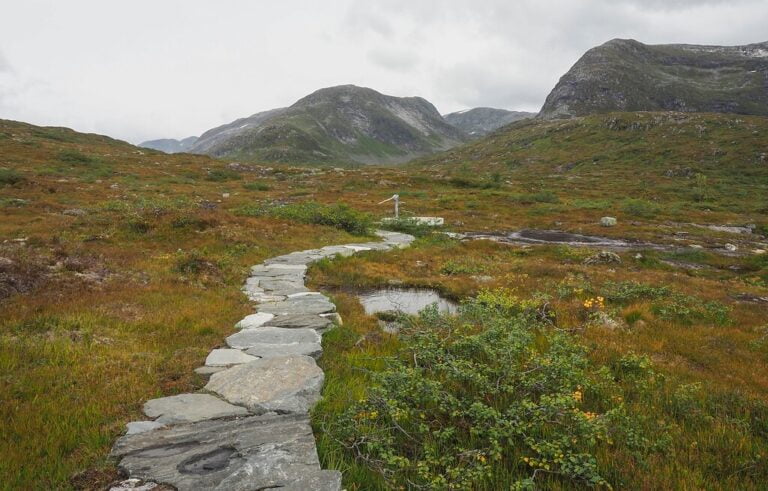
249 428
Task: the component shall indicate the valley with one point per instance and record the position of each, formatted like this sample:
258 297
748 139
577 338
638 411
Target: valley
354 290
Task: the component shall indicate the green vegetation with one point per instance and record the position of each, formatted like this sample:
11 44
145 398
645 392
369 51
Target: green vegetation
339 215
9 177
118 301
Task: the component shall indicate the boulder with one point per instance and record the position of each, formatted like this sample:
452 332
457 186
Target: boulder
285 384
256 452
608 222
603 257
187 408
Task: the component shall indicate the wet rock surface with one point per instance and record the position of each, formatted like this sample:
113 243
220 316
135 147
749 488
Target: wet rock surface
200 442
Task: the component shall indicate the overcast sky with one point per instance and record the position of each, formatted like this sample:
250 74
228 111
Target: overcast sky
144 69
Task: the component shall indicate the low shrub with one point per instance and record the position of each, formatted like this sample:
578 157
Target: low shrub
488 397
630 291
640 208
408 226
459 267
257 186
9 177
338 215
223 175
467 183
75 157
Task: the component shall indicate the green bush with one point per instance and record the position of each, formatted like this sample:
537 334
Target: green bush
75 157
640 208
338 215
257 186
222 175
488 397
409 226
630 291
459 267
10 177
687 309
467 183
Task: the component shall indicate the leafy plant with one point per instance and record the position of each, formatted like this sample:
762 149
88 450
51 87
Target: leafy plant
476 400
222 175
640 208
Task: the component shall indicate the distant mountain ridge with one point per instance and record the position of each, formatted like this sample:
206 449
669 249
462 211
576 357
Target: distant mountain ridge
480 121
346 124
170 145
627 75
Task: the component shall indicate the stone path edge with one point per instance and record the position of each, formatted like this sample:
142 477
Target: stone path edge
249 427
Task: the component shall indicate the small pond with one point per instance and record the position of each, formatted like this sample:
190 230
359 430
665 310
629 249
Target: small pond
406 300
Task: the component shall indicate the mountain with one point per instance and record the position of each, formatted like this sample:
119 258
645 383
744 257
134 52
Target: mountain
170 145
344 124
480 121
211 138
626 75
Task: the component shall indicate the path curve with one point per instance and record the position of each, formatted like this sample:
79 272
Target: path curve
249 427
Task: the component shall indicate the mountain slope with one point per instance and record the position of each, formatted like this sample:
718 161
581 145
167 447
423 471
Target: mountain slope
170 145
338 124
626 75
480 121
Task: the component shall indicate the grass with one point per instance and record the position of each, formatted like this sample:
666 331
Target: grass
712 345
339 215
106 310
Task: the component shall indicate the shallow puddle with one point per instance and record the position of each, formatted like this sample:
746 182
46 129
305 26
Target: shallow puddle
406 300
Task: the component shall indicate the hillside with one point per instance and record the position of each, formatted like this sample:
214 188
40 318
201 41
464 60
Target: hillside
626 75
345 124
121 268
480 121
170 145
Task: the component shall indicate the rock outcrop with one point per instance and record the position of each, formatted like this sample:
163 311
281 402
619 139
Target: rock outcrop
626 75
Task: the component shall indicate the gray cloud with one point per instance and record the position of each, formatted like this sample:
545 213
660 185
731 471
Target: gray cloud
392 59
178 67
5 66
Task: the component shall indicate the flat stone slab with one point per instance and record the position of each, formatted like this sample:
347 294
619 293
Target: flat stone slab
285 384
248 338
256 452
136 427
264 350
223 357
308 304
282 287
188 408
301 322
254 320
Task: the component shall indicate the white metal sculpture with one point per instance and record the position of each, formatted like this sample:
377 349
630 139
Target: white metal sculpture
396 199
